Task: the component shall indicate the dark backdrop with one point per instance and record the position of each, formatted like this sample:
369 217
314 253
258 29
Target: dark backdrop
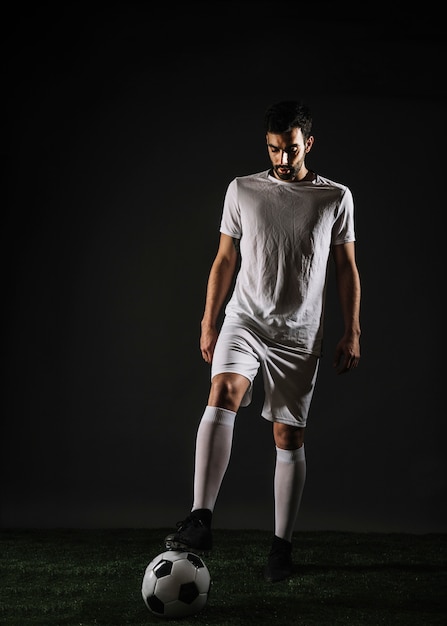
126 124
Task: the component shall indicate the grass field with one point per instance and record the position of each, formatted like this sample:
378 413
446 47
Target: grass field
93 577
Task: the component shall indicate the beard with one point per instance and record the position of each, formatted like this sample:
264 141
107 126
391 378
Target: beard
286 172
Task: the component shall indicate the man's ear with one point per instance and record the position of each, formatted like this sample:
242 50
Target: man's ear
309 143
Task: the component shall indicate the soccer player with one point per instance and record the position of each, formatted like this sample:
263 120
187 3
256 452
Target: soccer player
279 230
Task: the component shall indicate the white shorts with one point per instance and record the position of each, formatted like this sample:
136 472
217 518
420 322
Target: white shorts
289 374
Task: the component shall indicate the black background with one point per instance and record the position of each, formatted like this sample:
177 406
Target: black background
125 124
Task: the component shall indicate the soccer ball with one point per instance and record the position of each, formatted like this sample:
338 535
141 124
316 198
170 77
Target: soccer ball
176 584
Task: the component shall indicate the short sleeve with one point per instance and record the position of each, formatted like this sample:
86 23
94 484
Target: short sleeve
231 214
343 230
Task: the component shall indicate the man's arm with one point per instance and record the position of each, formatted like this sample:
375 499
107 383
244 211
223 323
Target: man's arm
347 351
219 282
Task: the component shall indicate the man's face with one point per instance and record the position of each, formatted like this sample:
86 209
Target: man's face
287 152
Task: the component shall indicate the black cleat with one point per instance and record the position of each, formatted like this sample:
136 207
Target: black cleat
191 534
279 565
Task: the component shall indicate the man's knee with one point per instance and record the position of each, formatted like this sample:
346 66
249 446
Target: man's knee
288 437
227 390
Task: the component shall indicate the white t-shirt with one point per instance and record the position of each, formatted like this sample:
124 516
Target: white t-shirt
285 231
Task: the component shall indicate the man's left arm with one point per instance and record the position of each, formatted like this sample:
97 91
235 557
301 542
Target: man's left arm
347 351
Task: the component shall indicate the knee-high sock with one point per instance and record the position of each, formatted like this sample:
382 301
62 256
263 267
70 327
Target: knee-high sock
213 449
290 476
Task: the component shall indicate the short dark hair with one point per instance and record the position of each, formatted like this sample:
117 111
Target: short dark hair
283 116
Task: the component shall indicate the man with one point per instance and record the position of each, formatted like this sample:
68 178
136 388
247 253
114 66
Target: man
283 225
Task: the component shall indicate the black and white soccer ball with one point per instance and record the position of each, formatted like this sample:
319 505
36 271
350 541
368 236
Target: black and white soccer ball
176 584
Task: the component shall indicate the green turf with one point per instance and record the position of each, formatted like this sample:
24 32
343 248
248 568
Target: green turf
93 577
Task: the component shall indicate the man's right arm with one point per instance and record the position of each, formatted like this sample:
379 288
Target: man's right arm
219 283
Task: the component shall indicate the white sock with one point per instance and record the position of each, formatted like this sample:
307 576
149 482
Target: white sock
290 475
213 448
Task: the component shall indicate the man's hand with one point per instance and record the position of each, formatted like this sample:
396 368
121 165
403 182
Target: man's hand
347 354
208 340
